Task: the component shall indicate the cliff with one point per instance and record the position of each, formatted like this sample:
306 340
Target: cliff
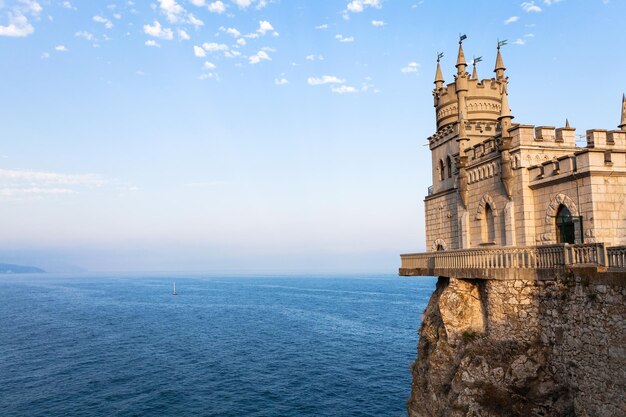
523 348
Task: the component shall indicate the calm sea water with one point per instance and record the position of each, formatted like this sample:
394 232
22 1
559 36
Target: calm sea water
225 346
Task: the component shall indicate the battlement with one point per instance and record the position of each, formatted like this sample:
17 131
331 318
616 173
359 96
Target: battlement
483 101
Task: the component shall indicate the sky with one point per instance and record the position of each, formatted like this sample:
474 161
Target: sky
272 136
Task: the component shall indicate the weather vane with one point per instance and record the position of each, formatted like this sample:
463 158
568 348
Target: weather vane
439 56
477 60
462 38
501 43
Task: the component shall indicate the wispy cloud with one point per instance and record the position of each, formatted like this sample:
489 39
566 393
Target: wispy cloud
511 19
258 57
321 27
411 67
530 7
378 23
325 79
17 16
519 41
342 38
100 19
343 89
158 31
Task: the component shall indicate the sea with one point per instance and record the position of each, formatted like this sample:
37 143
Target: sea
123 345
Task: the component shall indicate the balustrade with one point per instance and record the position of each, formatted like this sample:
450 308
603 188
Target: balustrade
519 257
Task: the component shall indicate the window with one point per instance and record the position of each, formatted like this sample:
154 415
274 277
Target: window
442 171
449 166
488 225
564 225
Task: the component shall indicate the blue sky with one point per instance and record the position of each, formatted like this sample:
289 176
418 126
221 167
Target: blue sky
250 135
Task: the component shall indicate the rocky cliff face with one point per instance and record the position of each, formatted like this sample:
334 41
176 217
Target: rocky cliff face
523 348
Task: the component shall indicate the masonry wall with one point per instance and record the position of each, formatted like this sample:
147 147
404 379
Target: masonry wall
441 214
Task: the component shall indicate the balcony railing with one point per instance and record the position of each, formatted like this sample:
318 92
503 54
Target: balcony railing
513 258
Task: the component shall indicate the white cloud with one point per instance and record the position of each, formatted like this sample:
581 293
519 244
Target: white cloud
551 2
61 48
529 35
68 5
241 42
158 31
45 55
183 35
208 65
243 4
314 57
106 22
231 31
198 3
199 52
264 27
217 7
30 7
152 43
258 57
530 7
322 27
281 81
342 38
357 6
214 47
18 26
325 79
343 89
32 191
411 67
173 11
378 23
42 178
194 20
519 41
511 19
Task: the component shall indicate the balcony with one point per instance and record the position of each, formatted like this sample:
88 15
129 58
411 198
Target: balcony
514 262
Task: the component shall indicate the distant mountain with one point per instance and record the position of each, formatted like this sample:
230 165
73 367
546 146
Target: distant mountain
19 269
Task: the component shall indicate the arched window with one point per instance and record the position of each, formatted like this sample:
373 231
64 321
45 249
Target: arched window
442 170
488 225
449 166
564 225
440 247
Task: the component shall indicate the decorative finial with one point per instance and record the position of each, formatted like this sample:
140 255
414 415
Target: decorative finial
567 123
622 124
505 111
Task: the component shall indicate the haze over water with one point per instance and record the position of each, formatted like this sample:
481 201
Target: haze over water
225 346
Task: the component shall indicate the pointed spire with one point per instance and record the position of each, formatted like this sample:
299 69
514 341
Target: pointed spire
460 60
567 126
499 69
622 124
474 72
438 75
505 111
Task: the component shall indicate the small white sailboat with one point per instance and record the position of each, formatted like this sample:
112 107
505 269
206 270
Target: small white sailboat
174 292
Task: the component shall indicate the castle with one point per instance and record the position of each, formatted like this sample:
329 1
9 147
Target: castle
526 231
502 184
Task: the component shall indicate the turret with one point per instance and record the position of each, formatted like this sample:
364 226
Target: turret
474 72
505 144
500 68
438 75
505 112
622 124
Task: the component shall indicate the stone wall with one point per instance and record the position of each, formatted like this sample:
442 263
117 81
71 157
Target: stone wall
523 348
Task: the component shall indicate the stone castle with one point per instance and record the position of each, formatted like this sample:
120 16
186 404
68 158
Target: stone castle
526 230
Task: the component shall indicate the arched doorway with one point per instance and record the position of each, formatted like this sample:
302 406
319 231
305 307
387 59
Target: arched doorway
564 225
